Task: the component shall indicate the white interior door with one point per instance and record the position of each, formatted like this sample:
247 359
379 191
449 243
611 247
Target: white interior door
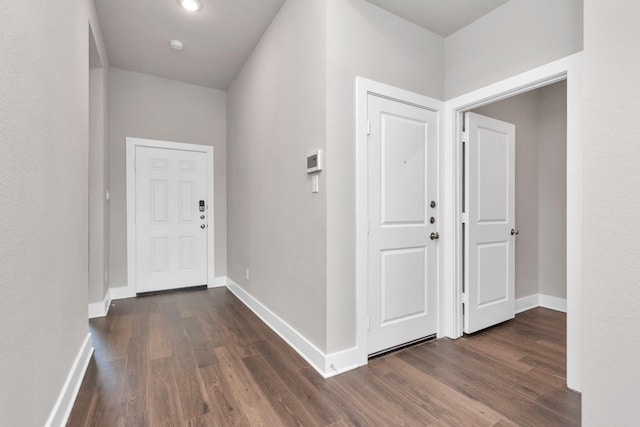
489 240
171 235
402 259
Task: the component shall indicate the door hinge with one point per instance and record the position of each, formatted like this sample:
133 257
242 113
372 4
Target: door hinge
464 217
368 127
465 298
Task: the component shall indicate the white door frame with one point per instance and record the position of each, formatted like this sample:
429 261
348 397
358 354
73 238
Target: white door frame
570 69
365 87
132 144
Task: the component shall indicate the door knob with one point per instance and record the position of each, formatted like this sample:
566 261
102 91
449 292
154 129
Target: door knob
514 232
434 235
202 226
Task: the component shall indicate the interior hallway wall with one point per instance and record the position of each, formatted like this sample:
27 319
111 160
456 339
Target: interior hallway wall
611 241
98 183
516 37
144 106
552 190
277 226
44 132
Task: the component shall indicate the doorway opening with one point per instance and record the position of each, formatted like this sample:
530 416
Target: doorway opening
568 69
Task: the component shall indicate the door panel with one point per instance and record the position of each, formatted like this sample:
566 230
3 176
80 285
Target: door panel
402 258
171 246
489 245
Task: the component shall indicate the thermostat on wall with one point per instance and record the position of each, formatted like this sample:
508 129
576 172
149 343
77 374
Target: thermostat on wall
314 162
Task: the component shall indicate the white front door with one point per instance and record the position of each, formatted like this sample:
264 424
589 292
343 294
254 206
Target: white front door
402 259
490 237
171 234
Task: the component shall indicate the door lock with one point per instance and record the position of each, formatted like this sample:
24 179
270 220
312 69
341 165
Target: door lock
432 204
434 236
202 226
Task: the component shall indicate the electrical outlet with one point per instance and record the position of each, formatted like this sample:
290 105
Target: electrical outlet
246 274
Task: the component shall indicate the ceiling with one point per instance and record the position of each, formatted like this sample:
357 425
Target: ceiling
221 36
443 17
217 39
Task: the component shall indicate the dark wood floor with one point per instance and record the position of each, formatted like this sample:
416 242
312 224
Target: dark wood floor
203 359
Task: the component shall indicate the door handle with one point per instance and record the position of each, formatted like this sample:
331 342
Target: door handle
434 236
202 226
514 232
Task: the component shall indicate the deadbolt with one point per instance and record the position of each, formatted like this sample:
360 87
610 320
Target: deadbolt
202 226
432 204
201 216
432 220
434 235
514 232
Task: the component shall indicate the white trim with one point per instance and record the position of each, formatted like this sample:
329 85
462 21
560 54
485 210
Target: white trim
326 365
571 69
218 282
62 409
553 303
527 303
100 309
132 143
541 300
122 292
365 87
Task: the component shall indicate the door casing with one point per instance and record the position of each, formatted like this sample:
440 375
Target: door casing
365 87
570 69
131 145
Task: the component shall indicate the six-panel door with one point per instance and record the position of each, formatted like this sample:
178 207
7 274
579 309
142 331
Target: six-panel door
171 235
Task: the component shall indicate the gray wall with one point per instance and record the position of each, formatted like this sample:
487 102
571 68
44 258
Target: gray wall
611 242
540 117
277 227
98 161
552 190
43 194
362 40
98 183
516 37
150 107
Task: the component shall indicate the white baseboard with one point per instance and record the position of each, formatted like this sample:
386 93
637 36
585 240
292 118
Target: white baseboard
326 365
527 303
100 309
62 409
218 282
553 303
122 292
541 300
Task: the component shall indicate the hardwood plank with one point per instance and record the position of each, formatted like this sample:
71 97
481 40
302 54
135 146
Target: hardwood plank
194 400
243 387
203 359
225 409
278 355
164 401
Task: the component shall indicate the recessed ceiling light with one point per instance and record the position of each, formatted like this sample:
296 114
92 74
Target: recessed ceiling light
191 5
176 45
